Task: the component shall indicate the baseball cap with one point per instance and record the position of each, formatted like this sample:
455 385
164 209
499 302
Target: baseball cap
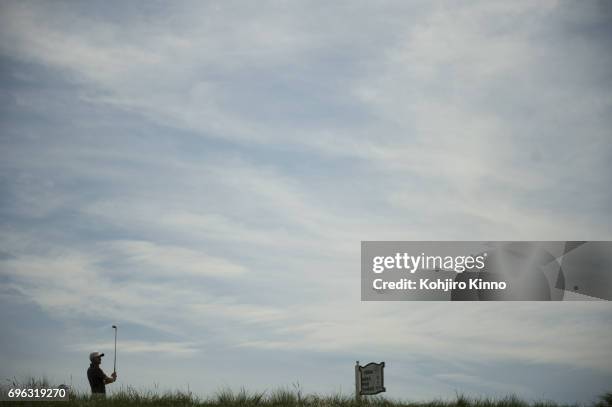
94 355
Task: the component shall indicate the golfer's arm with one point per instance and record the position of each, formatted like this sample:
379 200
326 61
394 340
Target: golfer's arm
108 380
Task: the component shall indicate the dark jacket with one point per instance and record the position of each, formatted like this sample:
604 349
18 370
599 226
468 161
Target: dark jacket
96 377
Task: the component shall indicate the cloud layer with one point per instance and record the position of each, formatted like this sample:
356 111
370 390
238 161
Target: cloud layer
202 175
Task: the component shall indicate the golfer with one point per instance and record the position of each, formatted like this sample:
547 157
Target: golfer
97 379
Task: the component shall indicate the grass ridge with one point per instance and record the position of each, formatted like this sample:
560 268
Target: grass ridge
130 397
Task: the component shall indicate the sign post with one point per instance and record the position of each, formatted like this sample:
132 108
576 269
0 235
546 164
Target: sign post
369 379
357 382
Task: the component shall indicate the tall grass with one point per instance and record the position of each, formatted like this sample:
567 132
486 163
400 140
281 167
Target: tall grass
129 397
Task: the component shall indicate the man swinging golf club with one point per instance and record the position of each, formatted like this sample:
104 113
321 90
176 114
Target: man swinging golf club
97 378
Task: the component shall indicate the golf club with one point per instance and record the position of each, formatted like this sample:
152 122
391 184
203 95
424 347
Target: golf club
115 359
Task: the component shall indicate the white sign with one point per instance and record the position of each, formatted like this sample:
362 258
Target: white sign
371 379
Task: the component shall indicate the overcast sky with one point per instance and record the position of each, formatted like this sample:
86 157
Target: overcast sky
202 174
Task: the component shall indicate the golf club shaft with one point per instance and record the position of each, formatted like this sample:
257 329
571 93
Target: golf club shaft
115 358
